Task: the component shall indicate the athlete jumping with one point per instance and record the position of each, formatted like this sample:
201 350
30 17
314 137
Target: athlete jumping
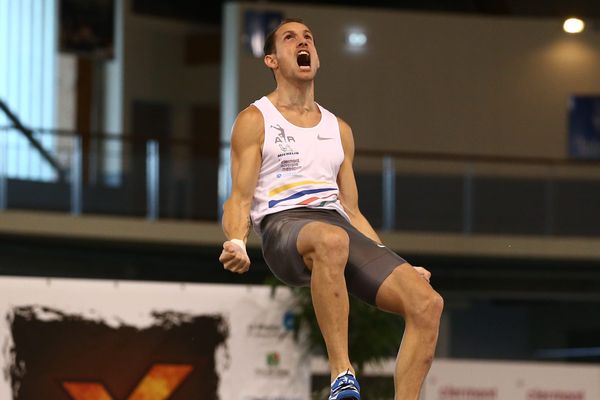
292 176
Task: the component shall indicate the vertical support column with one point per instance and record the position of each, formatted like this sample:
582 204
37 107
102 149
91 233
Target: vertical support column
152 177
468 200
389 193
111 151
76 177
3 169
229 95
550 202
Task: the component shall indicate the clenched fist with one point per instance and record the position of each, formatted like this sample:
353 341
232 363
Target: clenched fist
234 257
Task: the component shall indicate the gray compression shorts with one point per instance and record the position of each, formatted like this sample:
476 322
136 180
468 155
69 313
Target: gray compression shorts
368 264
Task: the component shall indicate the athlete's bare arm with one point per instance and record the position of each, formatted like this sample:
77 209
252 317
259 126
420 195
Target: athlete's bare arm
347 184
246 144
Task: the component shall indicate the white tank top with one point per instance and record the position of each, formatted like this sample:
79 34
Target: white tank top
299 165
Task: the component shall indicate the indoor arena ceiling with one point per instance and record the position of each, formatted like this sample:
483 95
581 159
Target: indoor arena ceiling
209 12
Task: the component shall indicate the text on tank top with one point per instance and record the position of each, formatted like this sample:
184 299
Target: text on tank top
299 165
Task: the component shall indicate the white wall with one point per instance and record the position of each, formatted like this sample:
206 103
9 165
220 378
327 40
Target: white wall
155 69
447 83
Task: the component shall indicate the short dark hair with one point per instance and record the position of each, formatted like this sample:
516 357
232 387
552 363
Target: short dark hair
269 46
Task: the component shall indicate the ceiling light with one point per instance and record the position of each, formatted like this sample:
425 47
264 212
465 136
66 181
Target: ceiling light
357 39
573 25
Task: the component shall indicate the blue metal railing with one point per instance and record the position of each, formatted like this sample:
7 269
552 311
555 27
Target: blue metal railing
28 134
166 179
149 180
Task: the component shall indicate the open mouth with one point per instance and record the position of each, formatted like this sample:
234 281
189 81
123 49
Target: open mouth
303 60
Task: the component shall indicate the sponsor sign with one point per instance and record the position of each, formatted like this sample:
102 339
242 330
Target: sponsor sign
487 380
584 127
101 340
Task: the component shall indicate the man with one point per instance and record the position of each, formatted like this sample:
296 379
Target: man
293 181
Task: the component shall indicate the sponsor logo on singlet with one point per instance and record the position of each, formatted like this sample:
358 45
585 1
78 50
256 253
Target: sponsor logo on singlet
285 142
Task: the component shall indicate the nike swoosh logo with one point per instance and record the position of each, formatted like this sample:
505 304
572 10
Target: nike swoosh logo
380 245
323 138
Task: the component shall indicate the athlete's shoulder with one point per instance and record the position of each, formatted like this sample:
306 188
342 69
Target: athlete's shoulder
345 128
249 125
250 115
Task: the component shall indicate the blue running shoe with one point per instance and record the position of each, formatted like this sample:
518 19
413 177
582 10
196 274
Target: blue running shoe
345 386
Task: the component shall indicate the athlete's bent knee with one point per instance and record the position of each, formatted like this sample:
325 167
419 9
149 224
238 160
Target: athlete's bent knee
332 245
428 311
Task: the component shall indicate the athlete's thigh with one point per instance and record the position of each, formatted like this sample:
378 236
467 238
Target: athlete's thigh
281 235
279 250
369 265
323 237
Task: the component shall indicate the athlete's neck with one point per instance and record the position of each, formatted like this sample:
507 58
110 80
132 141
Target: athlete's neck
300 98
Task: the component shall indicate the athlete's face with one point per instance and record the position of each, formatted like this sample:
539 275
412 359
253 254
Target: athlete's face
295 53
